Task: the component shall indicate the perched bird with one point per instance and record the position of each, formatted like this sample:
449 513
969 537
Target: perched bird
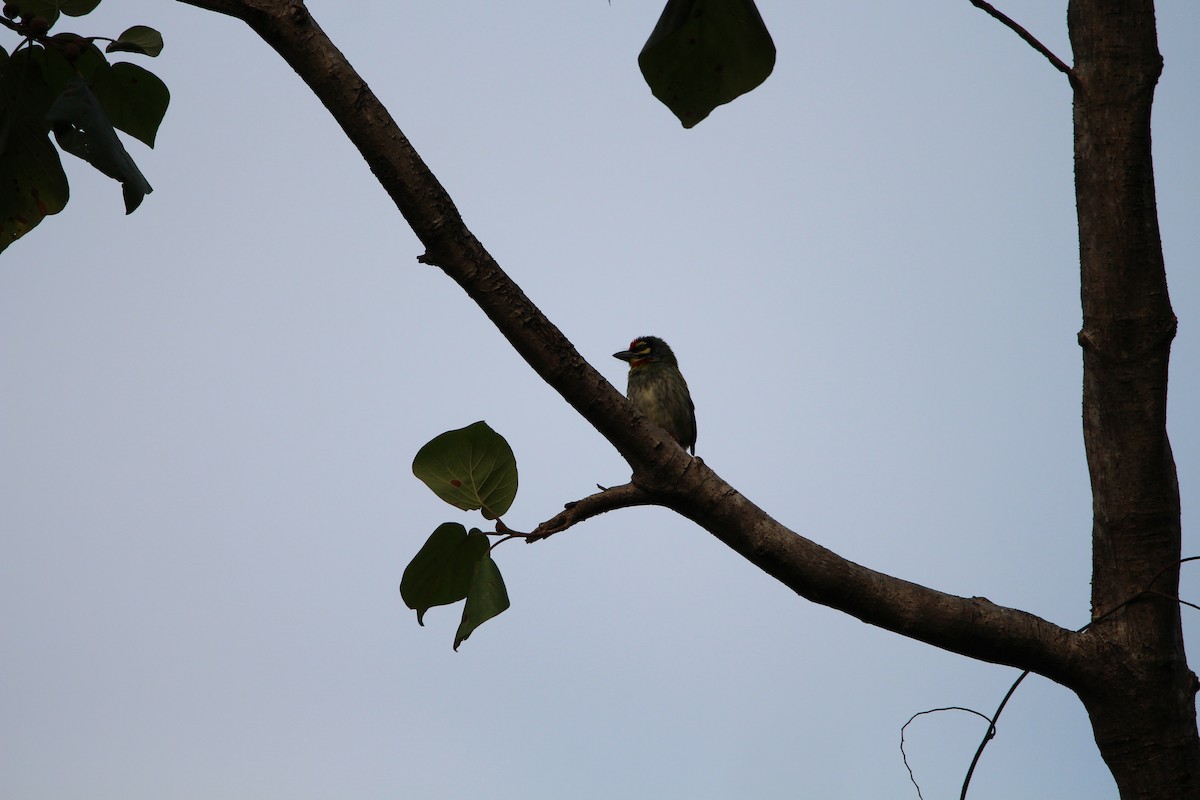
657 387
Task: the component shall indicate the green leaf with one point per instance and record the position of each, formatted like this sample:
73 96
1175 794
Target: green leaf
33 185
61 73
470 468
134 99
442 570
46 9
32 182
703 53
486 599
50 9
74 8
138 39
82 129
91 64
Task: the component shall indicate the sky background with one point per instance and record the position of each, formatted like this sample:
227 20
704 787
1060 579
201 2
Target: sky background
867 267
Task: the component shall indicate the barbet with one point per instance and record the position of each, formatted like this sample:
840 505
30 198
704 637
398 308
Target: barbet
657 387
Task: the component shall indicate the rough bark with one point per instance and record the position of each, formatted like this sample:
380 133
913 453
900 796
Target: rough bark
1141 699
1128 667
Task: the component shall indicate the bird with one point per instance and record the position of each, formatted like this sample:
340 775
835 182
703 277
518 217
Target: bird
657 388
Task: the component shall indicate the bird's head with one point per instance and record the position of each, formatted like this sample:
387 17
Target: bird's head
646 350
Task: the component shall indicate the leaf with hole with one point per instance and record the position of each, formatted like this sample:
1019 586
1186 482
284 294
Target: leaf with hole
82 129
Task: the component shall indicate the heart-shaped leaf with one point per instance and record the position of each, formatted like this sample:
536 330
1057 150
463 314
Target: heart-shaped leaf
486 598
138 39
134 99
470 468
442 570
455 565
703 53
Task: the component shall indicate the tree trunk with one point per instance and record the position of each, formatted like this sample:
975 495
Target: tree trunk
1140 695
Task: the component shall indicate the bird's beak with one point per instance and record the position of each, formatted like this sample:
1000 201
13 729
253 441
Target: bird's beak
625 355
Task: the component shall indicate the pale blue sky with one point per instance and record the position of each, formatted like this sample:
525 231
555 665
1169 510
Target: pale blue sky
867 267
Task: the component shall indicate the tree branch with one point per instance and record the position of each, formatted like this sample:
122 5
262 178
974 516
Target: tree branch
1058 63
627 495
663 473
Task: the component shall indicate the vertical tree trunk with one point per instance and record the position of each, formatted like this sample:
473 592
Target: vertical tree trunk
1141 699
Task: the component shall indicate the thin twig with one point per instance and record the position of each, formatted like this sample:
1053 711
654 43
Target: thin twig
904 756
1006 20
991 734
1148 590
1174 599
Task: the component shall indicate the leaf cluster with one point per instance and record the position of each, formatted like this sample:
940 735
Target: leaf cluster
60 89
472 468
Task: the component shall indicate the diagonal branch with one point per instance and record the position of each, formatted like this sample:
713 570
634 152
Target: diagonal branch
1058 63
662 472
